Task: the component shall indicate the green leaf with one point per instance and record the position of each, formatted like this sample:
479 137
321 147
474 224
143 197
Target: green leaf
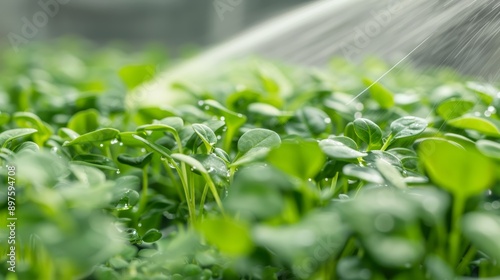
390 174
156 127
258 138
394 251
128 139
363 173
96 165
12 134
461 172
27 146
30 120
216 168
338 150
345 140
264 109
126 199
100 135
138 162
152 235
231 118
135 75
194 163
94 158
164 152
206 134
476 123
174 122
302 159
84 121
229 236
222 154
368 131
489 148
146 115
373 156
486 92
67 133
483 230
255 193
255 144
308 121
380 94
407 127
454 108
4 118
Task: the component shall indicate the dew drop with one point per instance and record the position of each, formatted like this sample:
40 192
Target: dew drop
222 118
143 150
206 107
114 141
219 137
54 149
240 116
211 169
310 179
121 144
139 225
358 115
118 171
201 103
360 107
328 120
224 129
101 145
326 179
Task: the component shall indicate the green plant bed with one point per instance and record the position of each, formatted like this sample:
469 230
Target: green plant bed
271 172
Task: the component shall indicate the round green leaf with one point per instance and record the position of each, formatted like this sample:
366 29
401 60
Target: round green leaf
483 231
379 93
151 236
229 236
216 168
390 174
100 135
258 138
476 123
363 173
338 150
454 108
84 121
461 172
205 133
138 162
12 134
302 159
407 127
489 148
368 131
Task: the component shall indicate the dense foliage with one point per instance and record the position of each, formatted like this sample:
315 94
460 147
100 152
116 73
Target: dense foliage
270 172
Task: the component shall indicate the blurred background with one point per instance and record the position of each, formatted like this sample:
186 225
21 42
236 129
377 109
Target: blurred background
175 23
460 34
